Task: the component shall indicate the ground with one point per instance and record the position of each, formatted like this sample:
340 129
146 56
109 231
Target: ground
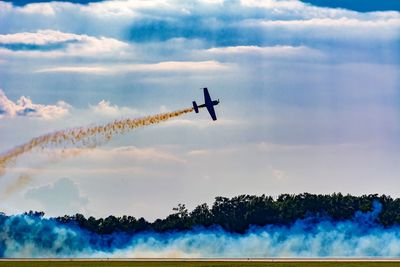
194 263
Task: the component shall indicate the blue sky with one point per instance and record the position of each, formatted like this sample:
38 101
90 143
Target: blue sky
24 2
366 6
309 101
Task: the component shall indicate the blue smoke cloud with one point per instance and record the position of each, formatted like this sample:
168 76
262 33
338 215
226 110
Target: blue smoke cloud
28 236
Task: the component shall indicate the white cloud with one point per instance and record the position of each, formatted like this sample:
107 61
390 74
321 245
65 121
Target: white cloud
213 2
128 8
168 66
62 193
78 69
69 44
275 147
270 52
272 147
105 108
258 49
132 152
121 155
5 6
38 8
289 27
202 123
199 152
105 9
278 174
25 107
293 4
40 37
295 10
346 29
214 151
334 22
180 66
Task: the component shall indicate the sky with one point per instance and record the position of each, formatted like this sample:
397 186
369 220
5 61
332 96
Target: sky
364 6
309 94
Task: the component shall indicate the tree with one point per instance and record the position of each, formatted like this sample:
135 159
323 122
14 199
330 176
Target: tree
237 214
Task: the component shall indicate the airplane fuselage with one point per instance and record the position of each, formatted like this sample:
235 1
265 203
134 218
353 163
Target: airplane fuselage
214 103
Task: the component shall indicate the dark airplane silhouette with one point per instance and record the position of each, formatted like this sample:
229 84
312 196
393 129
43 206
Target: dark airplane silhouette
209 104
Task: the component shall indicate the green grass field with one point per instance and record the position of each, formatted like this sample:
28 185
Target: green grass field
191 264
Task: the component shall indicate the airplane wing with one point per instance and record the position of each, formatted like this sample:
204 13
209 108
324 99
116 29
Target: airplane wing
209 104
211 110
207 98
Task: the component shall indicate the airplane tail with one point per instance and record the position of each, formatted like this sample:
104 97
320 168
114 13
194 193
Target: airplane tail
196 108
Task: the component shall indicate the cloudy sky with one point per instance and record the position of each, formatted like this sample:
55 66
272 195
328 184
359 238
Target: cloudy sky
310 101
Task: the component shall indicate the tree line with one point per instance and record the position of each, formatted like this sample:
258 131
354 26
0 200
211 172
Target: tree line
237 214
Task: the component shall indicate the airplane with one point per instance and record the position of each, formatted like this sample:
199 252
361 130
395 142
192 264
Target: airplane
209 104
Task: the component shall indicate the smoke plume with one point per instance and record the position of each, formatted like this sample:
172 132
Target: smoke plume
83 137
30 236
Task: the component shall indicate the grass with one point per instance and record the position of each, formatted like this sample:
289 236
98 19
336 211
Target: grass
191 264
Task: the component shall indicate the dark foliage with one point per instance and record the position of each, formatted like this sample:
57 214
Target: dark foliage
237 214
